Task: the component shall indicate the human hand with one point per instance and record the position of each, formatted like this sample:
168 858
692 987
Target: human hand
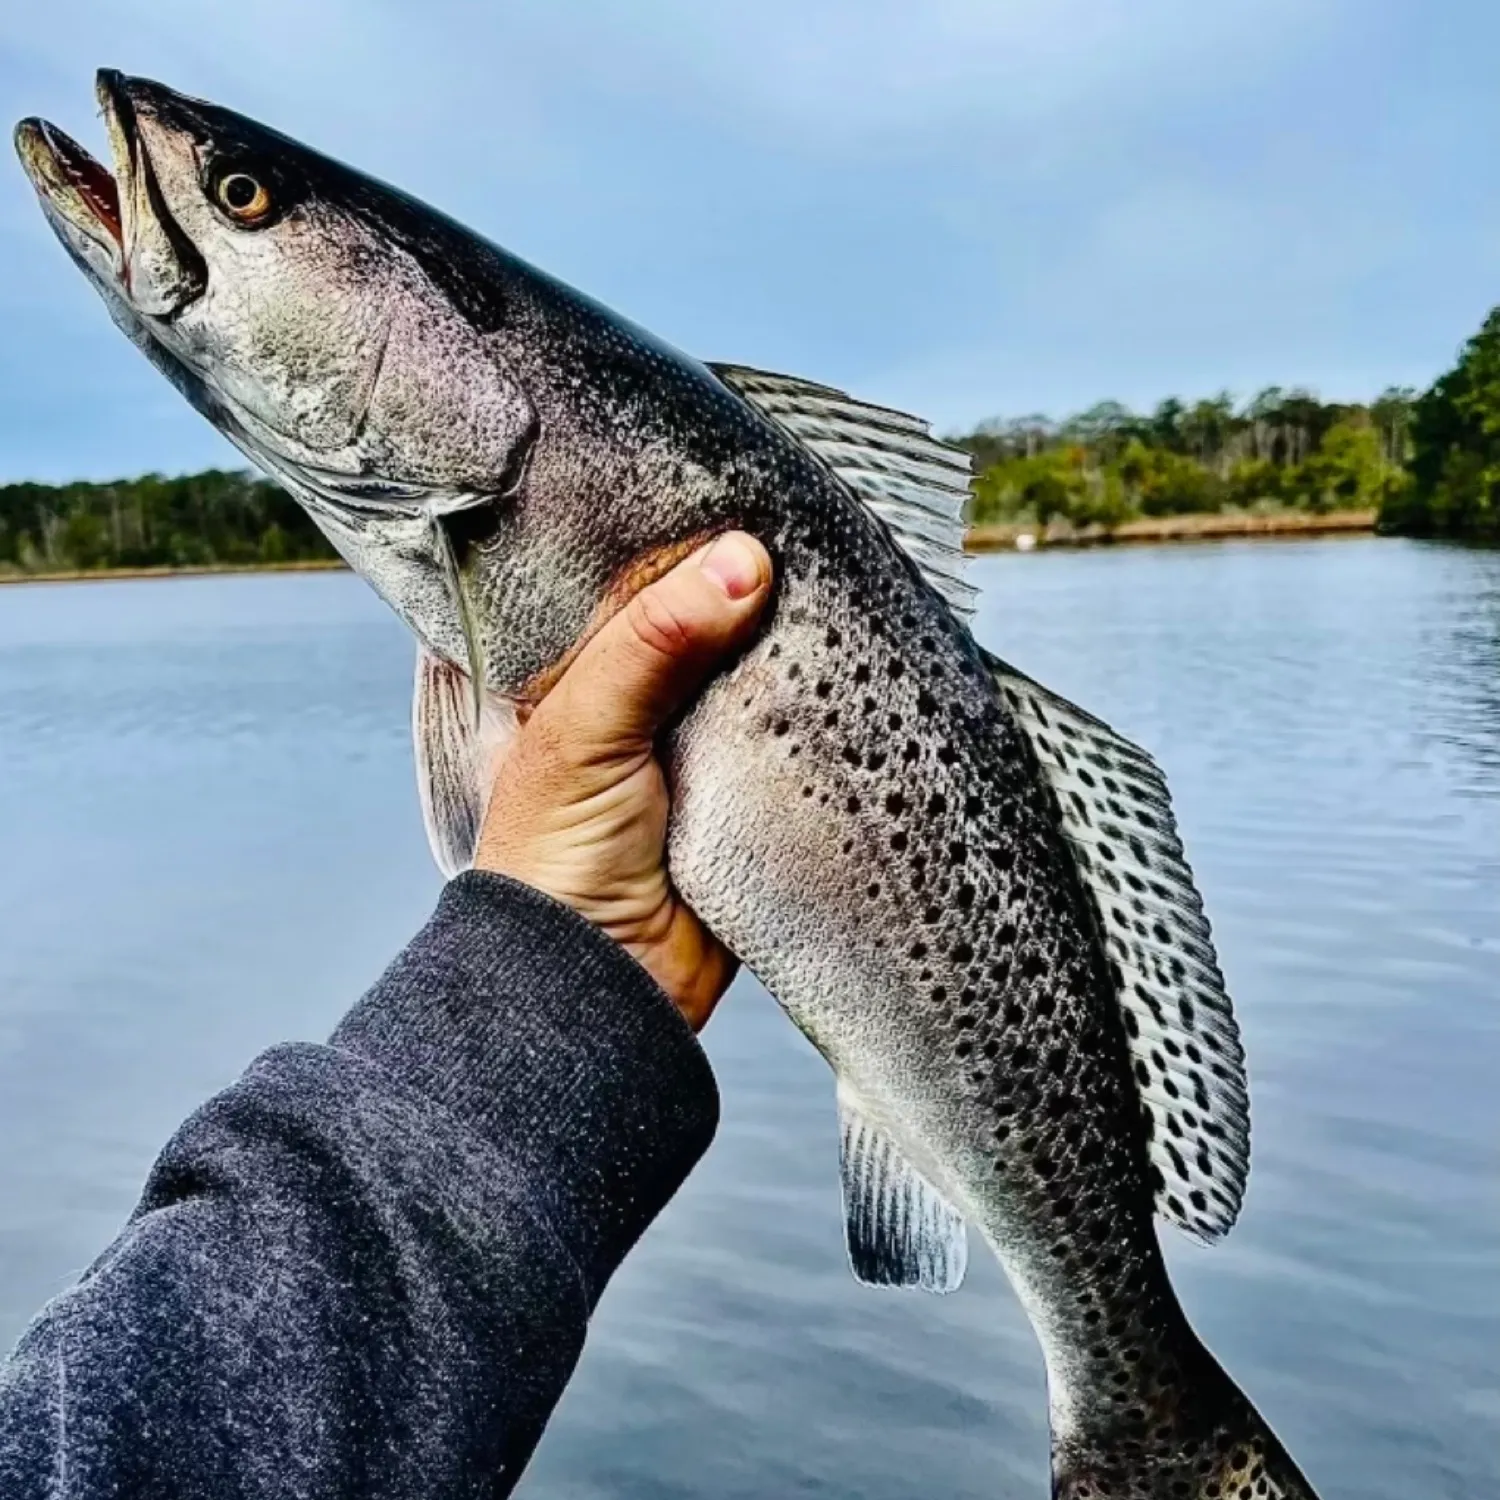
579 808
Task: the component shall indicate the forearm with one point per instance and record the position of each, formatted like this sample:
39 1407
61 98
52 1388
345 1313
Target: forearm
367 1267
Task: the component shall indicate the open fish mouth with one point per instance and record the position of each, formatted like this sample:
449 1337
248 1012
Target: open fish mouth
79 189
70 178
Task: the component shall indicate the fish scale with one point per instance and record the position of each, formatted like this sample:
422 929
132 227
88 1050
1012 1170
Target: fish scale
968 893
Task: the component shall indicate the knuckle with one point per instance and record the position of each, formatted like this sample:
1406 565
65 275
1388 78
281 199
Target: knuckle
660 624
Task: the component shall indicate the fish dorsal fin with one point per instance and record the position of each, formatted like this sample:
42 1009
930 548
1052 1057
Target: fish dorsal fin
900 1231
917 485
1184 1041
455 759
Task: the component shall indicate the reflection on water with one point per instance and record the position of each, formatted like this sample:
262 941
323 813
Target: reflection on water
210 843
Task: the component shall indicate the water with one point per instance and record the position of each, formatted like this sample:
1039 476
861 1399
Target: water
209 842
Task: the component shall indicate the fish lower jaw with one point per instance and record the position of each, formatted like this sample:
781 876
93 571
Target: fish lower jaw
74 188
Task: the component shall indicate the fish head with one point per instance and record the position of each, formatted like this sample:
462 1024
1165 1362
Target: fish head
290 297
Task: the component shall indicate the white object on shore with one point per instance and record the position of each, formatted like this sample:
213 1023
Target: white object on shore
1025 542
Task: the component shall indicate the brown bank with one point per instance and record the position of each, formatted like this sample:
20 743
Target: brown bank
1023 535
1011 536
106 575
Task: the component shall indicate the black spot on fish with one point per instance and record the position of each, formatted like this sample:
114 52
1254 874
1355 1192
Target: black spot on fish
833 638
937 805
965 896
898 841
895 668
875 760
895 721
918 950
824 688
926 704
782 726
851 755
862 673
910 751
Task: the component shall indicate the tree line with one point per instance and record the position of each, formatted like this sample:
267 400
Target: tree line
1428 462
195 521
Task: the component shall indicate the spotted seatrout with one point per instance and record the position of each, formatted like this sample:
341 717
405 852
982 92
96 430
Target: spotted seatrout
967 892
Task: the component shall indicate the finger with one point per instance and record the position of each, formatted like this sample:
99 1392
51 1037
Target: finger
650 659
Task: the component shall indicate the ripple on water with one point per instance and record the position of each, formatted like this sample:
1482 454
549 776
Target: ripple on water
212 844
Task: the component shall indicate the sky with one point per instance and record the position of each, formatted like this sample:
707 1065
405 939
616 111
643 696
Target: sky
967 208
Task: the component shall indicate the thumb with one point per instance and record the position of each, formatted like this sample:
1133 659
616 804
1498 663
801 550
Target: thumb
650 659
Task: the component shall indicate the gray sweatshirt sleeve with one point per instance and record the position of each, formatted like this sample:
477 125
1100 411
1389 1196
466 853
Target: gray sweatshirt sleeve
365 1269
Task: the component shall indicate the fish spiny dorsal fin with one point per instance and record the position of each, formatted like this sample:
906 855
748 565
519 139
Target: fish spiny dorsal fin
899 1230
1184 1041
917 485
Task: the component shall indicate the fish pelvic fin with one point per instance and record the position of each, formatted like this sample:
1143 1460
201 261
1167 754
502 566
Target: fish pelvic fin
455 758
1188 1433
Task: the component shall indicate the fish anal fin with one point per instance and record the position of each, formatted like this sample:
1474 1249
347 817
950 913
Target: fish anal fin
455 757
899 1230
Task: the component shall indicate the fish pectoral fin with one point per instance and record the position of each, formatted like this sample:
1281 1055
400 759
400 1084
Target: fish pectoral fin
442 542
455 758
915 483
899 1230
1185 1052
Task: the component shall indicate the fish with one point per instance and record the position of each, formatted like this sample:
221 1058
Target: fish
969 893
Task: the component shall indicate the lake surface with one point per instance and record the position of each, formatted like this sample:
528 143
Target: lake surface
209 842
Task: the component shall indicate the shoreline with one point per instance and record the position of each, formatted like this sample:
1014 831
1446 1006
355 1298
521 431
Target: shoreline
1024 536
204 570
1010 536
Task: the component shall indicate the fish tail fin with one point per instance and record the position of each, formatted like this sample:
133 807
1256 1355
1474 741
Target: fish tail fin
1188 1433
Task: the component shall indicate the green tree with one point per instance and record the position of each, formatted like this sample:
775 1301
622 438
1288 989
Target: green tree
196 519
1455 447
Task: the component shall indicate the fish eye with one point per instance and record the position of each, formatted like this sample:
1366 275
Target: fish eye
242 195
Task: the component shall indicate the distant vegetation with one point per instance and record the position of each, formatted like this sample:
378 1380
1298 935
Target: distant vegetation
202 520
1284 449
1428 463
1455 449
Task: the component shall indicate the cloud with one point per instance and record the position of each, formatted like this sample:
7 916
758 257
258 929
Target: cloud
967 206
